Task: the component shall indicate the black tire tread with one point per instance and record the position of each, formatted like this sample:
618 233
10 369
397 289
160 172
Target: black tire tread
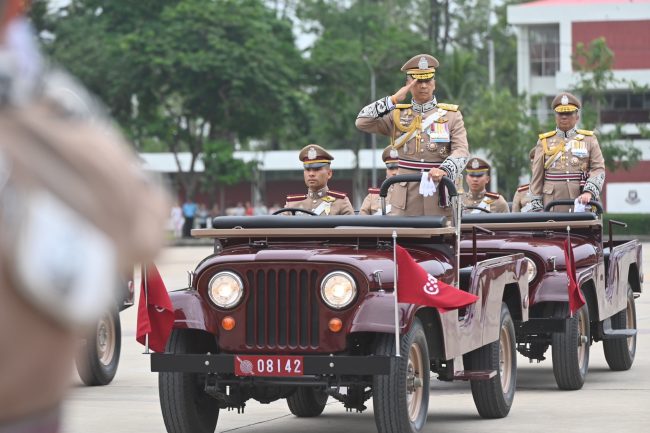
566 368
306 402
617 353
91 371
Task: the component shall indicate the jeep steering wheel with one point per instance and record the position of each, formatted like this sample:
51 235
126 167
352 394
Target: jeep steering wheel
477 207
293 211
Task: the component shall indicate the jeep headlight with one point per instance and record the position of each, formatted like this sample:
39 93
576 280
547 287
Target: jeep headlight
532 269
338 289
226 289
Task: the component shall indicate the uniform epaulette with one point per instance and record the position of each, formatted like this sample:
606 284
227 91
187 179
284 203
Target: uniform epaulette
296 197
584 132
403 106
336 194
547 134
523 187
373 190
448 107
493 195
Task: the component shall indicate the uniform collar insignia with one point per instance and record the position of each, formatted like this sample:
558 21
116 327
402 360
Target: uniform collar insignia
423 108
311 153
317 194
569 134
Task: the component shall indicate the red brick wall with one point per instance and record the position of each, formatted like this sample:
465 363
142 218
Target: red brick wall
629 40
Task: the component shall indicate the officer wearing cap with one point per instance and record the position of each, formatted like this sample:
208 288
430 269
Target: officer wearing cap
568 162
372 204
429 137
478 176
319 198
521 199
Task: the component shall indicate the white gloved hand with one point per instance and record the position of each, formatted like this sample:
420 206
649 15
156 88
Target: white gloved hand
427 186
579 207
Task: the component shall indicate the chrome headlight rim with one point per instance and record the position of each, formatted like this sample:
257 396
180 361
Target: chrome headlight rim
353 289
531 265
240 295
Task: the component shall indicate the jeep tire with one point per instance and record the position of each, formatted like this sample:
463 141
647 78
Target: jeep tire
571 348
307 402
493 398
401 398
99 355
619 352
186 408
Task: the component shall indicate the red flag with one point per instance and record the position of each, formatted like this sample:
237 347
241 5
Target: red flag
417 286
576 299
156 313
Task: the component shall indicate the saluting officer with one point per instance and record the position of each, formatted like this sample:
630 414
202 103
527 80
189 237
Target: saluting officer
319 198
478 176
372 204
521 199
429 136
568 162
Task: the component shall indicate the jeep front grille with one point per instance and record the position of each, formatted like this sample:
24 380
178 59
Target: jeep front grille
282 309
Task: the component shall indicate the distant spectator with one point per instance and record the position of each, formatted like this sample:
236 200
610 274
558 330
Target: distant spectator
202 216
176 220
189 212
249 209
240 210
260 209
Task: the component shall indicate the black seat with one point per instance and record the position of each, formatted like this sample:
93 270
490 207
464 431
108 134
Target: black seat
327 222
526 217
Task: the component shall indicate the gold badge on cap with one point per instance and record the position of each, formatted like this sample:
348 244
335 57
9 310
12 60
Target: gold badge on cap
475 164
423 64
311 153
564 100
394 153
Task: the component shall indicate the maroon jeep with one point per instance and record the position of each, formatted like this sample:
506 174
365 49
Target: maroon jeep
609 275
302 308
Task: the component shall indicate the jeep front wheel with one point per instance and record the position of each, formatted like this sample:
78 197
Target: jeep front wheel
307 402
401 398
493 397
619 352
99 355
186 408
571 349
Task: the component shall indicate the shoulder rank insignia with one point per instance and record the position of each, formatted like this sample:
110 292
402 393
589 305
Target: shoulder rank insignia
448 107
296 197
523 188
373 190
584 132
547 134
336 194
492 195
403 106
328 199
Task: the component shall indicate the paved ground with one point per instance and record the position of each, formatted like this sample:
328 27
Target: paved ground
609 402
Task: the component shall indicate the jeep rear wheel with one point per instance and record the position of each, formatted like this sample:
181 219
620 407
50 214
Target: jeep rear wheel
493 398
186 408
571 349
401 398
307 402
99 356
620 352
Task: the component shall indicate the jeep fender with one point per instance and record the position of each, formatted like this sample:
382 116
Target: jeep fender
191 312
376 314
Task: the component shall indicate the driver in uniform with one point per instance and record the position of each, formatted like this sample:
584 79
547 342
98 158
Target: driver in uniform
319 198
478 176
372 203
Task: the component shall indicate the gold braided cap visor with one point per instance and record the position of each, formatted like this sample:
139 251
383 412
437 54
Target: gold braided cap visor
569 108
422 74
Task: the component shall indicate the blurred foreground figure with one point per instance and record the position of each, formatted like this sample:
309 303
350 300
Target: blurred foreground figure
75 210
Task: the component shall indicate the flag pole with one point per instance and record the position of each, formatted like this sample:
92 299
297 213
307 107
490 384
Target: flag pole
146 302
395 303
570 255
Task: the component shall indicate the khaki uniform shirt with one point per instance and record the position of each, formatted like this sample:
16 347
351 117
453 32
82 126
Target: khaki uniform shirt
565 165
372 203
489 201
323 202
521 199
444 141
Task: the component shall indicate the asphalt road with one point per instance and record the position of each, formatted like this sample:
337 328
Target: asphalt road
609 401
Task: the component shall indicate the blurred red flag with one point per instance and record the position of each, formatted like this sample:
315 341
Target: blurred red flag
417 286
576 299
155 313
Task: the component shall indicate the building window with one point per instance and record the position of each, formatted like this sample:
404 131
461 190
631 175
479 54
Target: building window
626 106
544 50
